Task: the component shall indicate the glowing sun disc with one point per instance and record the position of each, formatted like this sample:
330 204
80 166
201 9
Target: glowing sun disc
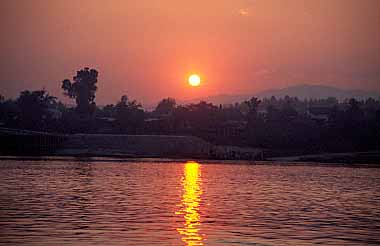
194 80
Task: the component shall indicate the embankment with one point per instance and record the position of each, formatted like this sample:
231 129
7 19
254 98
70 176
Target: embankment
152 146
18 142
369 157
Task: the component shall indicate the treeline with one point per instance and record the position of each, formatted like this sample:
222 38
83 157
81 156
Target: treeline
287 123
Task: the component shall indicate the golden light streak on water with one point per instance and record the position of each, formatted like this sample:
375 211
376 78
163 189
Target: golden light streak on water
190 205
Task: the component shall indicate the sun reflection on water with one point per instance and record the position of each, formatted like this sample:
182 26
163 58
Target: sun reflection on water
190 204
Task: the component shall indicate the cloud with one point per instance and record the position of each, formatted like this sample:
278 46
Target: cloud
244 12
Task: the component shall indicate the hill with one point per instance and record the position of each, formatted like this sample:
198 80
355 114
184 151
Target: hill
318 91
303 91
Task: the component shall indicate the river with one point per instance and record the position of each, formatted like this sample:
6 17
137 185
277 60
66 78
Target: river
186 203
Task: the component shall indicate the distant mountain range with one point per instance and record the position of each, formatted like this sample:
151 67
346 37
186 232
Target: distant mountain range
300 91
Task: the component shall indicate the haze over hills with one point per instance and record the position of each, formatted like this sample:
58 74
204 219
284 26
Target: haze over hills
303 91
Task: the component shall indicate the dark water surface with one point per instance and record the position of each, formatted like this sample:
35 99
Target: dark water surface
114 203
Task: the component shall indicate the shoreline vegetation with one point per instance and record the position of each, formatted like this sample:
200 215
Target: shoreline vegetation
256 129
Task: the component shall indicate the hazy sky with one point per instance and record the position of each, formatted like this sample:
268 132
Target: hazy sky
146 48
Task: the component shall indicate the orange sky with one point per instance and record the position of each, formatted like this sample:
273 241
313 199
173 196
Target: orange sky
146 48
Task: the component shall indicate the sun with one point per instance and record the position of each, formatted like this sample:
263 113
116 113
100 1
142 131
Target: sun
194 80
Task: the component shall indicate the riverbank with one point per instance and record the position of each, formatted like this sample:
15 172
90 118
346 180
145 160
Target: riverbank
38 144
152 146
369 157
28 143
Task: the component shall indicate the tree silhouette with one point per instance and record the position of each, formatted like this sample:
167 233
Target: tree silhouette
254 123
83 89
165 106
252 105
129 115
284 125
195 118
34 108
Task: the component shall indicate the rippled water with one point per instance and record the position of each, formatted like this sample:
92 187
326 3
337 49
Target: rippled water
114 203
